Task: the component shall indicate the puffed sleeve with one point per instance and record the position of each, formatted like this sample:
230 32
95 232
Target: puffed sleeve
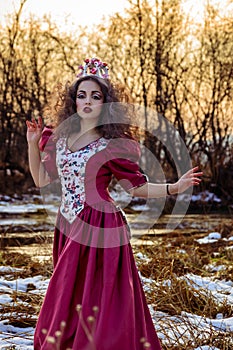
47 146
123 158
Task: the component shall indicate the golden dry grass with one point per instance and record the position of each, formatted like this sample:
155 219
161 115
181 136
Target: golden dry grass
168 259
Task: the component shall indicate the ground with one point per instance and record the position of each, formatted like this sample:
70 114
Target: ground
187 278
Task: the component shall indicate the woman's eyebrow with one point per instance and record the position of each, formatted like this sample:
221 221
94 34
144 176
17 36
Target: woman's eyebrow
94 91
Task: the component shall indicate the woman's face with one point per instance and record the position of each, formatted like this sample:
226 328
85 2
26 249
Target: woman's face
89 100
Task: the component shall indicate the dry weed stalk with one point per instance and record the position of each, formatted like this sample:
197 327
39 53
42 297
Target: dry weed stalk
88 326
191 337
55 341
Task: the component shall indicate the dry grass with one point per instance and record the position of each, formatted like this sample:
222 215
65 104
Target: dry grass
181 295
26 305
31 267
168 260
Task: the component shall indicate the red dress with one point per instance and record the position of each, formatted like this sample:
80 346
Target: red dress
93 261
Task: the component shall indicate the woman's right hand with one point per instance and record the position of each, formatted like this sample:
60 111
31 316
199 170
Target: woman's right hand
34 130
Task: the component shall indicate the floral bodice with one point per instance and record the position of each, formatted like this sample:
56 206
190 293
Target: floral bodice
71 170
85 175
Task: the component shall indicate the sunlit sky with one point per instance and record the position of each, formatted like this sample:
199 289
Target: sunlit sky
85 12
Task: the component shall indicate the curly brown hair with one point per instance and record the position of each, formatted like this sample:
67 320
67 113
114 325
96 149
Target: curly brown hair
114 120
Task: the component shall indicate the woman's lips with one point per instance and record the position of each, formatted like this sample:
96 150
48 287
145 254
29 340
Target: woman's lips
87 110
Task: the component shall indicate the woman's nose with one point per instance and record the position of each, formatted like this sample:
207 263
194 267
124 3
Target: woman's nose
88 100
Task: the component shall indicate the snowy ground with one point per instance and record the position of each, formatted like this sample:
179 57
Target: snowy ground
173 330
11 335
170 329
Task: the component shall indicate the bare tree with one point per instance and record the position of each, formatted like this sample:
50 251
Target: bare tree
210 97
34 56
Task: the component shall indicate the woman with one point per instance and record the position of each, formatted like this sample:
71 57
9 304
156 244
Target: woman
95 299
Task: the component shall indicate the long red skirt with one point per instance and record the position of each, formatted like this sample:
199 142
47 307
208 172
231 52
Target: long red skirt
95 299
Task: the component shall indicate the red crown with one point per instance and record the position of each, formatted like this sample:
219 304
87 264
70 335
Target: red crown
95 67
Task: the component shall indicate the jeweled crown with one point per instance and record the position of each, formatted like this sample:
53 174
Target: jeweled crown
95 67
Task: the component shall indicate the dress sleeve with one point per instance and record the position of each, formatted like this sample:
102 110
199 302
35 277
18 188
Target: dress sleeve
47 146
123 157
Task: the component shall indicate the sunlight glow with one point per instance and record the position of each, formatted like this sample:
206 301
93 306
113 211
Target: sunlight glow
71 13
66 13
196 8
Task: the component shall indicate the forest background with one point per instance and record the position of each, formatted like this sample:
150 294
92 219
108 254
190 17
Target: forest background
179 72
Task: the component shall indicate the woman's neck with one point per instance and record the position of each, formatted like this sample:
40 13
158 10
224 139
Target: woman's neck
87 127
87 133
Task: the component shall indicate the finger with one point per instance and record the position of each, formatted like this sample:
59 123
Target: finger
191 171
195 183
37 124
30 125
40 122
198 174
34 123
196 177
195 170
197 180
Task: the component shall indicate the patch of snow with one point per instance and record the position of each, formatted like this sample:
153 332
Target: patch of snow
215 268
225 324
205 197
20 338
206 347
9 269
211 238
4 299
140 207
220 290
20 221
181 251
214 235
31 208
142 257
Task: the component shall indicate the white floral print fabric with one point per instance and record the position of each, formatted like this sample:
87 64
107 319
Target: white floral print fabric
71 169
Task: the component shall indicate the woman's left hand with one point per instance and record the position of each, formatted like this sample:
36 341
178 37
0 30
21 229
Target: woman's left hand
189 179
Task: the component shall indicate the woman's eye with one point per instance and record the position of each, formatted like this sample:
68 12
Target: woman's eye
81 96
96 97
